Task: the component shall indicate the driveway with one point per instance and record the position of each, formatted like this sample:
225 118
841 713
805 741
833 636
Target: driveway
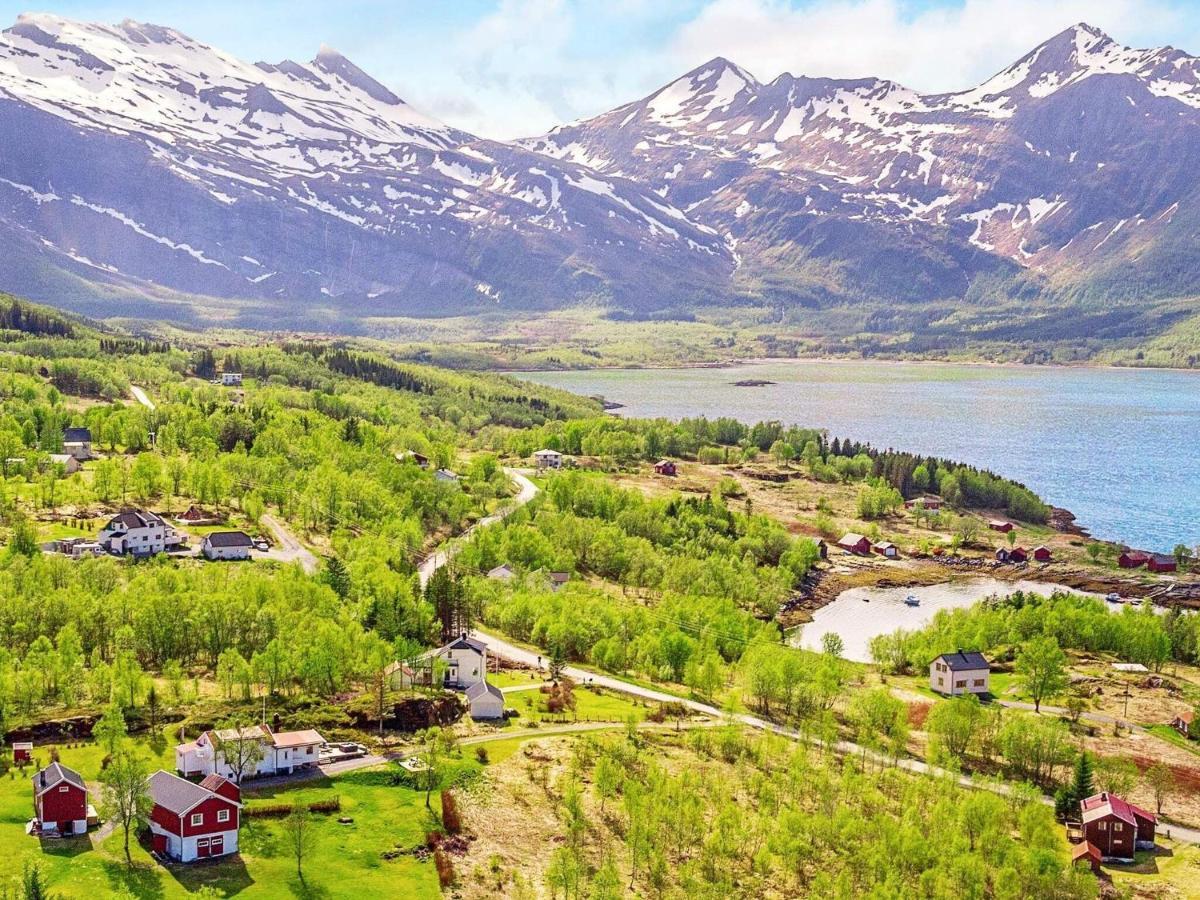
288 548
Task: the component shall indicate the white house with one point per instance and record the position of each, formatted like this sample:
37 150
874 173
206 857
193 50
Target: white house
548 459
77 442
226 545
138 532
279 752
231 379
502 572
486 701
464 658
960 673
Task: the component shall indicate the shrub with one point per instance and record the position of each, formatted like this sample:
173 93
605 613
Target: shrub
481 754
445 868
451 820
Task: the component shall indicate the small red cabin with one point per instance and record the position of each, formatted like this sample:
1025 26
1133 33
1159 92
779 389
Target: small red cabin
60 800
1041 554
1161 563
1018 555
1133 559
22 752
855 543
665 467
1000 525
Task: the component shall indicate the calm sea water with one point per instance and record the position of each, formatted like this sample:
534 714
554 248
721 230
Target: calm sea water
1120 448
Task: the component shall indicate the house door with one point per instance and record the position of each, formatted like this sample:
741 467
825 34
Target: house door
218 846
203 848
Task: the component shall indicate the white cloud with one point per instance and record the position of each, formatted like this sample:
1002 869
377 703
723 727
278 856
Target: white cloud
942 48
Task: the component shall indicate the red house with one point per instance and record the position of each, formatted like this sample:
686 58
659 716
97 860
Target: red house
1041 554
1000 525
1133 559
60 801
1159 562
1183 722
193 821
1115 827
1018 555
22 752
665 467
855 543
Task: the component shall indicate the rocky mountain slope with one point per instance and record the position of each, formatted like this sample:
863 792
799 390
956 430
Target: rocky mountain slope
138 165
1069 173
136 160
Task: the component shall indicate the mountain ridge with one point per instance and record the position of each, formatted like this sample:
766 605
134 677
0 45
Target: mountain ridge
1062 181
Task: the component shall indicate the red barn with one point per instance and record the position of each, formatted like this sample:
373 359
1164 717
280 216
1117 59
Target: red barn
1115 827
1041 554
855 543
1133 559
1159 562
1018 555
1000 525
60 800
665 467
193 821
22 752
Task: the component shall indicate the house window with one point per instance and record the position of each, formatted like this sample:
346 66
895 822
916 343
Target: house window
197 818
1104 826
63 789
978 682
222 815
1116 826
961 683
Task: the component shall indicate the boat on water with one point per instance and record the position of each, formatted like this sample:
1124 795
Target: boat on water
911 600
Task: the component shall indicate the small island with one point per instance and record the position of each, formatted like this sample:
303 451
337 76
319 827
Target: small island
752 382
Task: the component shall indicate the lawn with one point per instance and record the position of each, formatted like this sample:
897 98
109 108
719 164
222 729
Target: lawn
346 862
590 706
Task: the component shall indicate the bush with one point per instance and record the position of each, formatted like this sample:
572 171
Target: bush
481 754
445 868
451 820
282 810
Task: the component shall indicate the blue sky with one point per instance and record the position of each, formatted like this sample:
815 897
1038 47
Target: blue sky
509 68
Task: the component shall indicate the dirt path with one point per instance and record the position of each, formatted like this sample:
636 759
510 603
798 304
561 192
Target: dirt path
140 396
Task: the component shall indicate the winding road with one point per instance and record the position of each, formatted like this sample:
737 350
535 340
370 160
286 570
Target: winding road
526 491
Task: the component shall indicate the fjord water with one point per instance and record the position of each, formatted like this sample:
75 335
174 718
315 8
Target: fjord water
1120 448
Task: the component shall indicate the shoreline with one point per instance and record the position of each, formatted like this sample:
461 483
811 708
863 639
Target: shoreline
876 360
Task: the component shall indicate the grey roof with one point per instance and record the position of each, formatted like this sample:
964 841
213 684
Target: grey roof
229 539
177 794
467 643
135 518
479 688
960 661
54 775
77 436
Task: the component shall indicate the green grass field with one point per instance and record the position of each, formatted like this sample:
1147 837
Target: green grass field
346 862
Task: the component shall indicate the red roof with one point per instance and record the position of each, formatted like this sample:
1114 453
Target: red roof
1086 849
1104 804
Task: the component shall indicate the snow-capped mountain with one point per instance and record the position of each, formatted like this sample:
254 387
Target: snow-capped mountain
1073 166
138 159
136 162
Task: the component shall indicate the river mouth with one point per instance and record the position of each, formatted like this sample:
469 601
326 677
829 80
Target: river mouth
861 613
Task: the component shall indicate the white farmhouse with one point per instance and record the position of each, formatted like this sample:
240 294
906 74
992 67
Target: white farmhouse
960 673
77 442
279 752
226 545
138 532
548 459
231 379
